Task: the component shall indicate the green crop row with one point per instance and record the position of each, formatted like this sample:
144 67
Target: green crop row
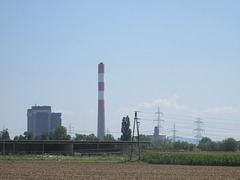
183 158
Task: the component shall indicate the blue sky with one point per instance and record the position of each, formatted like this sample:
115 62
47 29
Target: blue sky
181 56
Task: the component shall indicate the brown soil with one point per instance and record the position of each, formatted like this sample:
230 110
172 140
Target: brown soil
83 170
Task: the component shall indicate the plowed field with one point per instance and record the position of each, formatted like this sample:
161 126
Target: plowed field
87 170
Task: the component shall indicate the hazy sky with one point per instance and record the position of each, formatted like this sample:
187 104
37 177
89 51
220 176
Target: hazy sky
181 56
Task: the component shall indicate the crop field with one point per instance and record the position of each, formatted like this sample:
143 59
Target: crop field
111 170
205 159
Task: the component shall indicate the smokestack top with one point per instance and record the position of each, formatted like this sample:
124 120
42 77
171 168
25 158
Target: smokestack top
101 68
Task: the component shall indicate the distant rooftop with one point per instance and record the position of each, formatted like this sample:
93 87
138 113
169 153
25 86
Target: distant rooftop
41 107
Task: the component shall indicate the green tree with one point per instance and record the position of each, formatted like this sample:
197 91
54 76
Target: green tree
60 133
16 138
143 137
230 144
84 137
21 138
108 137
4 135
80 137
206 144
51 136
44 136
182 145
28 136
203 146
205 140
192 147
92 137
126 131
215 146
169 146
37 137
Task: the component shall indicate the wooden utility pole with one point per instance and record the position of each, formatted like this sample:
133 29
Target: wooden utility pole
132 140
138 143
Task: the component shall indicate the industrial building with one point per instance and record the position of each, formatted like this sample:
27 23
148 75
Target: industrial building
41 118
157 136
101 102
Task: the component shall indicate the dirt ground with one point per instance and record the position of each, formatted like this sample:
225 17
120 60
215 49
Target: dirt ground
88 170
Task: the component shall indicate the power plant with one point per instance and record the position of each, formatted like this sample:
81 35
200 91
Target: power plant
41 118
101 102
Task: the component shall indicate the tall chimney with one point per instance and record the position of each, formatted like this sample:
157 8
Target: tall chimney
101 103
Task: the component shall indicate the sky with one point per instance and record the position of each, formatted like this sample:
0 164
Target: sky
180 56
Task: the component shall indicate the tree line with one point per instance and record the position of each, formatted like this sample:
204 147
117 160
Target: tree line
205 144
229 144
60 133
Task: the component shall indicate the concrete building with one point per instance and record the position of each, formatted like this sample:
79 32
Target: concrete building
157 136
40 118
101 102
56 120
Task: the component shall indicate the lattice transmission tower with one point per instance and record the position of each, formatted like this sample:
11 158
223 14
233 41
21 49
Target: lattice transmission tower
159 120
199 129
174 133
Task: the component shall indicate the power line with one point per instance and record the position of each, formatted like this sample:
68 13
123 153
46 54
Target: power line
191 116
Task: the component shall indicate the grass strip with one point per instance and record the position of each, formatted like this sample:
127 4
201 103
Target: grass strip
101 158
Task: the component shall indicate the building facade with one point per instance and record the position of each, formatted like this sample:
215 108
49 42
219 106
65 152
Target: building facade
41 118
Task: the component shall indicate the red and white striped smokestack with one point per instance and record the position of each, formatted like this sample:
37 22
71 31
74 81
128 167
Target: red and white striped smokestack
101 102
